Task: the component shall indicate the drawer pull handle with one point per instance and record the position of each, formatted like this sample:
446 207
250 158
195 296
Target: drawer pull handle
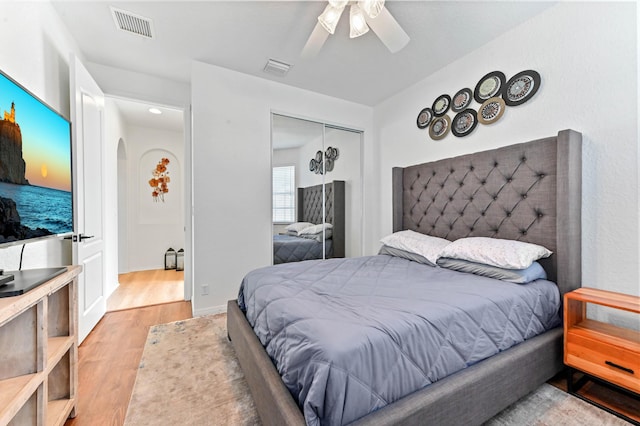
628 370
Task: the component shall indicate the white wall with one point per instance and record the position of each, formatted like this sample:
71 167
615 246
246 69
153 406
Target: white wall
35 52
135 85
123 207
586 54
232 171
114 130
153 227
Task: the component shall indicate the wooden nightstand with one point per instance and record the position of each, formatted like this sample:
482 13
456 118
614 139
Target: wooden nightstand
603 352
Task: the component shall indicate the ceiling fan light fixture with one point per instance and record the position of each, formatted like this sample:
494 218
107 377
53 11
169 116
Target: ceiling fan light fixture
357 22
338 4
372 7
330 17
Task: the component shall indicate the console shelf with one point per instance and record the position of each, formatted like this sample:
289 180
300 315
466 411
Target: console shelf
39 343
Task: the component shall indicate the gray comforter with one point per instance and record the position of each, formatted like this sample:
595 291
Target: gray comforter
287 248
349 336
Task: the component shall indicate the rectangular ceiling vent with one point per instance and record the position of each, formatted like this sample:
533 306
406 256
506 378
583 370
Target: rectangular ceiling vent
276 67
132 23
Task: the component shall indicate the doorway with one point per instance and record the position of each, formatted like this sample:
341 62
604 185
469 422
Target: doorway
151 199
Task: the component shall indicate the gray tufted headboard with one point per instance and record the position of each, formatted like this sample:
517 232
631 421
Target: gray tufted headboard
310 210
529 192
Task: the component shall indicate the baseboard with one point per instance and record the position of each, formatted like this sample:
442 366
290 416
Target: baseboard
212 310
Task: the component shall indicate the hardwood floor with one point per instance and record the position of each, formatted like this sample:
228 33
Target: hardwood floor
146 288
109 358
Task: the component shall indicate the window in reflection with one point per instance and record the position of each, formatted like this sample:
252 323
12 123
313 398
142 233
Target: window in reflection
284 194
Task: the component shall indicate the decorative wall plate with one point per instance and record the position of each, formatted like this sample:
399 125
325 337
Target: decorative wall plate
441 105
424 118
312 165
328 165
464 122
489 86
331 153
521 87
461 100
440 126
318 156
491 110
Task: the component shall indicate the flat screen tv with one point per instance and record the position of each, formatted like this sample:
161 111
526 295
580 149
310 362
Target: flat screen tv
35 167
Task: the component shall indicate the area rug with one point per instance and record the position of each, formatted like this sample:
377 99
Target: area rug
189 375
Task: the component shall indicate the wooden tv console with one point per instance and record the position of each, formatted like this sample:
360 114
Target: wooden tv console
39 353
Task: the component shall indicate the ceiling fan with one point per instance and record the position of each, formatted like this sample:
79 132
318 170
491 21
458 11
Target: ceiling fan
363 15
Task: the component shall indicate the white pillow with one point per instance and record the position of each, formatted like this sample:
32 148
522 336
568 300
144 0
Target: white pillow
315 229
298 226
508 254
425 245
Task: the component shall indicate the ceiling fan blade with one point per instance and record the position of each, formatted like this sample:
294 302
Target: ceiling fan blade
315 42
388 30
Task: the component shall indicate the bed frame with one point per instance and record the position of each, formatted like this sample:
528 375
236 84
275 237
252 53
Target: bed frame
310 210
529 192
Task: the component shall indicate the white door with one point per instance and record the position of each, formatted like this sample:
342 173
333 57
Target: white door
87 117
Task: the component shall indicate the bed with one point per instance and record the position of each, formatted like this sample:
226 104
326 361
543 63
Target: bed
293 248
529 192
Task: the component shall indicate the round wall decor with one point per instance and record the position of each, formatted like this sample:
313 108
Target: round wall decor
328 164
331 153
489 86
491 110
464 122
424 118
521 87
440 127
461 100
441 105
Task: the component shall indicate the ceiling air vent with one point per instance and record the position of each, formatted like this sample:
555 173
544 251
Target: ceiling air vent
132 23
276 67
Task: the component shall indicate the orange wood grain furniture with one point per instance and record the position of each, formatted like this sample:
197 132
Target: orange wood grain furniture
604 352
39 353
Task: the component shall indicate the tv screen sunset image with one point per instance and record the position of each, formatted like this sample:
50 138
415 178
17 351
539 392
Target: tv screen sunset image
35 167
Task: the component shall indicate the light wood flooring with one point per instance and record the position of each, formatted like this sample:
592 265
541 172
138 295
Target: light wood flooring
146 288
109 358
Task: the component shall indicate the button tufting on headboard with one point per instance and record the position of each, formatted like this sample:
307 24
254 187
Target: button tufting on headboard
513 192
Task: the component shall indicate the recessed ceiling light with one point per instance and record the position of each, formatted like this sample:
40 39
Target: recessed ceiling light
155 111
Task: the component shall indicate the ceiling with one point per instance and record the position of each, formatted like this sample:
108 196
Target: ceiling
243 35
136 113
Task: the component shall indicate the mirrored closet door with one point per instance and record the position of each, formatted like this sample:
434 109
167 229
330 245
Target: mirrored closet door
317 190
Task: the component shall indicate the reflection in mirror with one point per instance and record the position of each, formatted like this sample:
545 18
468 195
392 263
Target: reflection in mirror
307 158
347 168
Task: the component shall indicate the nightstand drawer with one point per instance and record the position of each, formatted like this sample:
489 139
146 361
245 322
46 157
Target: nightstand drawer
609 362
